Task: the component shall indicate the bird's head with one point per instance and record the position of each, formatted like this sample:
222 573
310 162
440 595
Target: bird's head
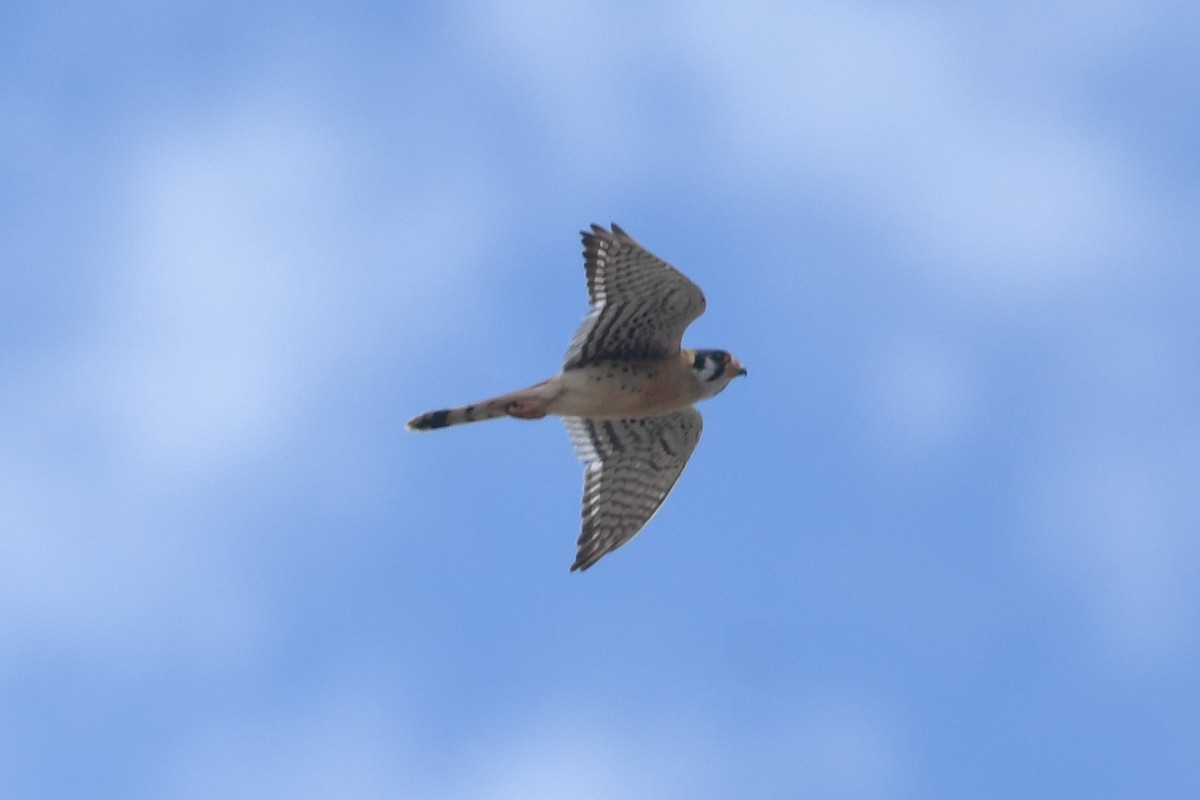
714 369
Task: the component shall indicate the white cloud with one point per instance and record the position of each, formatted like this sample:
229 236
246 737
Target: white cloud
591 79
255 265
220 303
1002 195
258 265
569 755
888 107
356 742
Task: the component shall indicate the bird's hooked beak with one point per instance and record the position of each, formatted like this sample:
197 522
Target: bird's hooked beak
737 366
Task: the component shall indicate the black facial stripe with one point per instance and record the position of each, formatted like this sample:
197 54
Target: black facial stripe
437 419
718 362
698 360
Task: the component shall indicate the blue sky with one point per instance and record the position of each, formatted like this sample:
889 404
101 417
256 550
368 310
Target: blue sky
943 542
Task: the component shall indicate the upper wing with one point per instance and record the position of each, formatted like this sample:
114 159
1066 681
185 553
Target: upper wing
632 465
640 305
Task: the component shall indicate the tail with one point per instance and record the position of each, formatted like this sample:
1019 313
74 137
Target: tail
525 404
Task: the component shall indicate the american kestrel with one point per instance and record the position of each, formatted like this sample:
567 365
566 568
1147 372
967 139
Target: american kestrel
625 391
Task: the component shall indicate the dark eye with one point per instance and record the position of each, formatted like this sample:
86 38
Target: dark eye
725 357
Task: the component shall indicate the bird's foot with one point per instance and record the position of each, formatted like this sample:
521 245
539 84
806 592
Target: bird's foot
527 408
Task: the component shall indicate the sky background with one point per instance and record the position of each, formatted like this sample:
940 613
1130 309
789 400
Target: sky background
943 542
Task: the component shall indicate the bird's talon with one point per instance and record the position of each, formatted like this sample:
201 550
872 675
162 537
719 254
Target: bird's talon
526 409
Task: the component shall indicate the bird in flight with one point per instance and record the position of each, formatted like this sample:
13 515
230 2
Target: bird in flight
626 390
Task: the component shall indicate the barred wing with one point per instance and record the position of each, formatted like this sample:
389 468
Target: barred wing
631 467
640 305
